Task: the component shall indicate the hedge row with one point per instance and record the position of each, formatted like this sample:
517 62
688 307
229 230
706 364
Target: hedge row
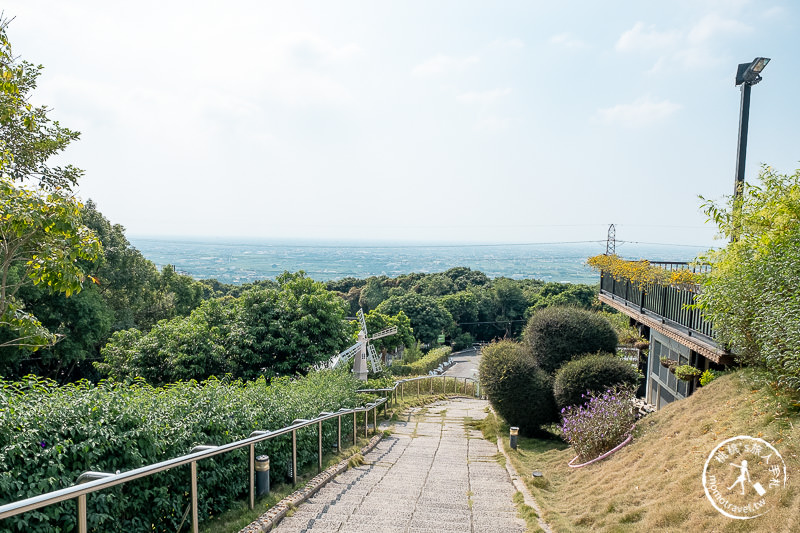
49 435
424 364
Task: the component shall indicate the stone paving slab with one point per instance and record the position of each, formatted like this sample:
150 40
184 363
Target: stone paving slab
432 475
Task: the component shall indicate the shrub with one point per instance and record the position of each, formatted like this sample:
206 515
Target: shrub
555 335
687 372
707 377
49 435
521 392
425 364
599 425
594 373
462 341
752 294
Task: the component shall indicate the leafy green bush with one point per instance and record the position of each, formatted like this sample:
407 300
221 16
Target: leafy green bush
521 392
462 341
707 377
266 331
555 335
752 294
49 435
592 373
425 364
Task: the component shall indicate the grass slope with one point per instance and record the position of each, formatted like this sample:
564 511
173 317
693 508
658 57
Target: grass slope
654 484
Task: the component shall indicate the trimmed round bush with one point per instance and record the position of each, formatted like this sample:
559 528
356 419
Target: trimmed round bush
554 335
594 373
520 392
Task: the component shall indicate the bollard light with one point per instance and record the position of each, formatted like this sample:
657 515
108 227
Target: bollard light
512 441
262 475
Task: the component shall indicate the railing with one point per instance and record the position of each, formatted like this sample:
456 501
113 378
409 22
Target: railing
697 268
90 482
435 384
670 305
96 481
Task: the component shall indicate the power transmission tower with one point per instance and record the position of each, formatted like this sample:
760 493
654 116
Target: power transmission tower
611 241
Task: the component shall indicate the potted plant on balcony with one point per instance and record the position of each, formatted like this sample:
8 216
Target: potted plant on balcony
687 372
666 362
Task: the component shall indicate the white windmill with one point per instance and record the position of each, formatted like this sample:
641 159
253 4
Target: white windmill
364 349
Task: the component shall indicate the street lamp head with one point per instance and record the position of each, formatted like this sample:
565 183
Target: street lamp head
750 73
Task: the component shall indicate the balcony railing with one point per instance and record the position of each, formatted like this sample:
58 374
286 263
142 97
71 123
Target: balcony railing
669 305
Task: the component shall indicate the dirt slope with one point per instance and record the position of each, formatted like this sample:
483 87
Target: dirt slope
655 483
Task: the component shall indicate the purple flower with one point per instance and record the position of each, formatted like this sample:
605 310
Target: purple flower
43 444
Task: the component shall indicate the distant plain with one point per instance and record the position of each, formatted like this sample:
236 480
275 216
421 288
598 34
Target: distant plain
242 261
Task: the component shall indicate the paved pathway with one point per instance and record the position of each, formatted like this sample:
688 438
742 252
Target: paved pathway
466 364
433 474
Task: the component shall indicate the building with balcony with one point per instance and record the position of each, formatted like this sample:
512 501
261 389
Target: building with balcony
675 331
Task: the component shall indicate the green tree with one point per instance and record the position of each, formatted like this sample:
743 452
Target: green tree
752 294
510 305
564 294
28 137
267 331
463 307
436 285
42 240
378 321
81 322
428 317
128 282
372 294
464 277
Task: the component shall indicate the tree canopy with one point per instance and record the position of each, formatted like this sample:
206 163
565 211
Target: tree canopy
266 331
752 293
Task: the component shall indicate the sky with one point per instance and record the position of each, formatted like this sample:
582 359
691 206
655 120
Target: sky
446 121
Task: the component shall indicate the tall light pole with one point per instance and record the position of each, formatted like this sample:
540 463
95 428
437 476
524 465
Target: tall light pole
747 75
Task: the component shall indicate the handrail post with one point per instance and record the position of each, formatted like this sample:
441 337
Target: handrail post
418 387
375 420
339 441
82 525
319 442
252 476
355 429
195 514
294 457
366 424
402 391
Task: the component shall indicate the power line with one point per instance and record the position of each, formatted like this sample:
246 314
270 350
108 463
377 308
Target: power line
668 244
371 246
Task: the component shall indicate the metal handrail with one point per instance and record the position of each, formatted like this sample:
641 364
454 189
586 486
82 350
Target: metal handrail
90 482
101 480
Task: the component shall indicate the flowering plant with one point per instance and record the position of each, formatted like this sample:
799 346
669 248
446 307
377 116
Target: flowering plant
600 424
687 372
643 272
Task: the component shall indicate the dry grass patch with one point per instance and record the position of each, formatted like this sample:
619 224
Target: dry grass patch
654 484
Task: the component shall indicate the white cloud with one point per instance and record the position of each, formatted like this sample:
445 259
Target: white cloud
568 40
695 46
642 112
712 25
441 64
483 97
641 38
